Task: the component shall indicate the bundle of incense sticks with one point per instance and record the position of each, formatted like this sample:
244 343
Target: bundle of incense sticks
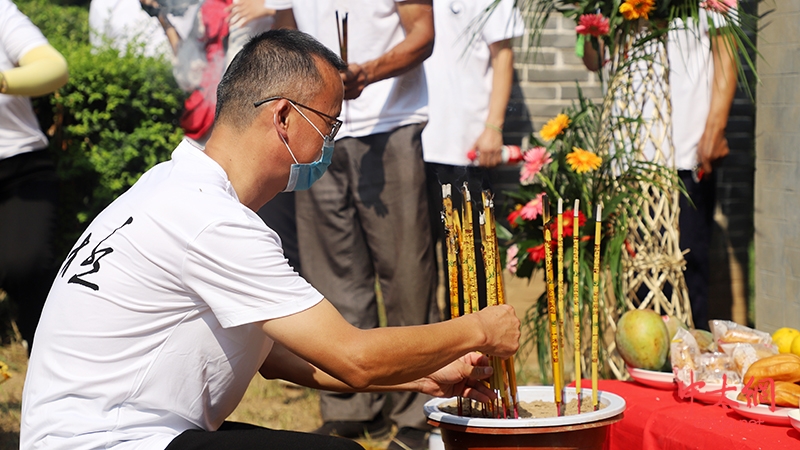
556 309
460 246
341 31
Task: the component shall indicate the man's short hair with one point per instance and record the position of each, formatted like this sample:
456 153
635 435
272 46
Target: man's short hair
273 63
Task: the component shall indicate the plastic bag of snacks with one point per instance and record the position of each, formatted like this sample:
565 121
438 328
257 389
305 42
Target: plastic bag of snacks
746 354
727 332
682 353
712 367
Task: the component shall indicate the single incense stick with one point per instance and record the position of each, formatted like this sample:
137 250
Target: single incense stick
489 251
551 305
451 241
595 303
469 249
576 316
560 285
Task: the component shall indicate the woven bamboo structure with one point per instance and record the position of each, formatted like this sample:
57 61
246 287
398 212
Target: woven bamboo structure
637 119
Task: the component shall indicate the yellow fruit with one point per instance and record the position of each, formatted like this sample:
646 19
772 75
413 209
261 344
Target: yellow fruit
795 348
784 337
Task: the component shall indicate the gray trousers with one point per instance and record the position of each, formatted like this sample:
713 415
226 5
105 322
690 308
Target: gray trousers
367 219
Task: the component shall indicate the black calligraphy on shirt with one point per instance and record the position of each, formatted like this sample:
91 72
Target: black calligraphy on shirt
93 260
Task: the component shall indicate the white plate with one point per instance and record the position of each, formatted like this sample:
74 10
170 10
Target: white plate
760 412
614 405
661 380
794 417
710 393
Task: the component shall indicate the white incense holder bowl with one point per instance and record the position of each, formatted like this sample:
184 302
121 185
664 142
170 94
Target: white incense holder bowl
580 431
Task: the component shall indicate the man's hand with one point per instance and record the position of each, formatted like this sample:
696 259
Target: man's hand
489 148
500 325
151 7
461 378
243 12
355 79
713 146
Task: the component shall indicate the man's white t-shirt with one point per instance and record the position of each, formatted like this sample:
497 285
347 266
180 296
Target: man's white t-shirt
19 129
151 326
459 74
373 29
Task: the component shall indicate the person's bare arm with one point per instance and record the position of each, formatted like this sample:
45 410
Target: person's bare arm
461 377
243 12
489 143
391 355
284 18
416 18
713 145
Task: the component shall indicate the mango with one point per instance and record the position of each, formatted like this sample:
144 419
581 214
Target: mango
642 339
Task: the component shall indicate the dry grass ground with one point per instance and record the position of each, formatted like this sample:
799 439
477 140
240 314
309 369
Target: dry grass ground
268 403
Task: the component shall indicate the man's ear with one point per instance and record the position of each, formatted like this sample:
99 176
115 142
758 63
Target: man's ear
280 118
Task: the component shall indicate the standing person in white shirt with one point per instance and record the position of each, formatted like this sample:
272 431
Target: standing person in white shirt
702 82
177 294
367 219
29 67
469 75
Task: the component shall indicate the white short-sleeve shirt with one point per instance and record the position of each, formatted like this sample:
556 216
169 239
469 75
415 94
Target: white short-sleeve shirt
152 324
459 74
373 29
19 129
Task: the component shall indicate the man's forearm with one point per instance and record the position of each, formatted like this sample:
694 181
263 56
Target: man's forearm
502 79
416 17
723 88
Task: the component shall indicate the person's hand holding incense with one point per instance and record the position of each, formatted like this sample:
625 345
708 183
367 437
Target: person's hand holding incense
242 12
355 79
460 378
488 147
500 327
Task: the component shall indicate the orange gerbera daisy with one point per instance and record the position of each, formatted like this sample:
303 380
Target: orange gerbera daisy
583 161
554 127
633 9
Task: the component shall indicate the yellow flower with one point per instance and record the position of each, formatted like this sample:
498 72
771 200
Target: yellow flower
583 161
554 127
633 9
4 375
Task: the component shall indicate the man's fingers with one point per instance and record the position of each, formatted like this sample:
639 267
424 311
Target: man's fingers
476 390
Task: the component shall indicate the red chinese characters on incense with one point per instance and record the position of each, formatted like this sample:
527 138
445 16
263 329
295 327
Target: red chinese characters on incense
460 245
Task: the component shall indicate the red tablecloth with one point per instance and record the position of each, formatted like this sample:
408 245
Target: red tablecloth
657 419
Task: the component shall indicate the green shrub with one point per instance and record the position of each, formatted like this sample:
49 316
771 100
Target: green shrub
116 117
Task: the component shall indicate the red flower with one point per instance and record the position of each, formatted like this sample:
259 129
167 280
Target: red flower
536 254
592 24
568 218
514 215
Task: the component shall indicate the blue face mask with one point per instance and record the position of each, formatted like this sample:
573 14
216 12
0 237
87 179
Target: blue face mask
303 175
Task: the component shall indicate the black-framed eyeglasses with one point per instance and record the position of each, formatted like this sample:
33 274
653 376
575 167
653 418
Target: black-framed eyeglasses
334 122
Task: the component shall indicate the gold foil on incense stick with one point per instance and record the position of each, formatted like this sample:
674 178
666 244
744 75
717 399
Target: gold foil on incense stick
551 305
451 241
489 251
576 315
596 303
468 248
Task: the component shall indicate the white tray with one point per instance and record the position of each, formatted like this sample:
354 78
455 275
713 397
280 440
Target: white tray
661 380
614 405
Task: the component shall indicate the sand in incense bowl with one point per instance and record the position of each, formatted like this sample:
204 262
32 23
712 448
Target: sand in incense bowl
586 430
